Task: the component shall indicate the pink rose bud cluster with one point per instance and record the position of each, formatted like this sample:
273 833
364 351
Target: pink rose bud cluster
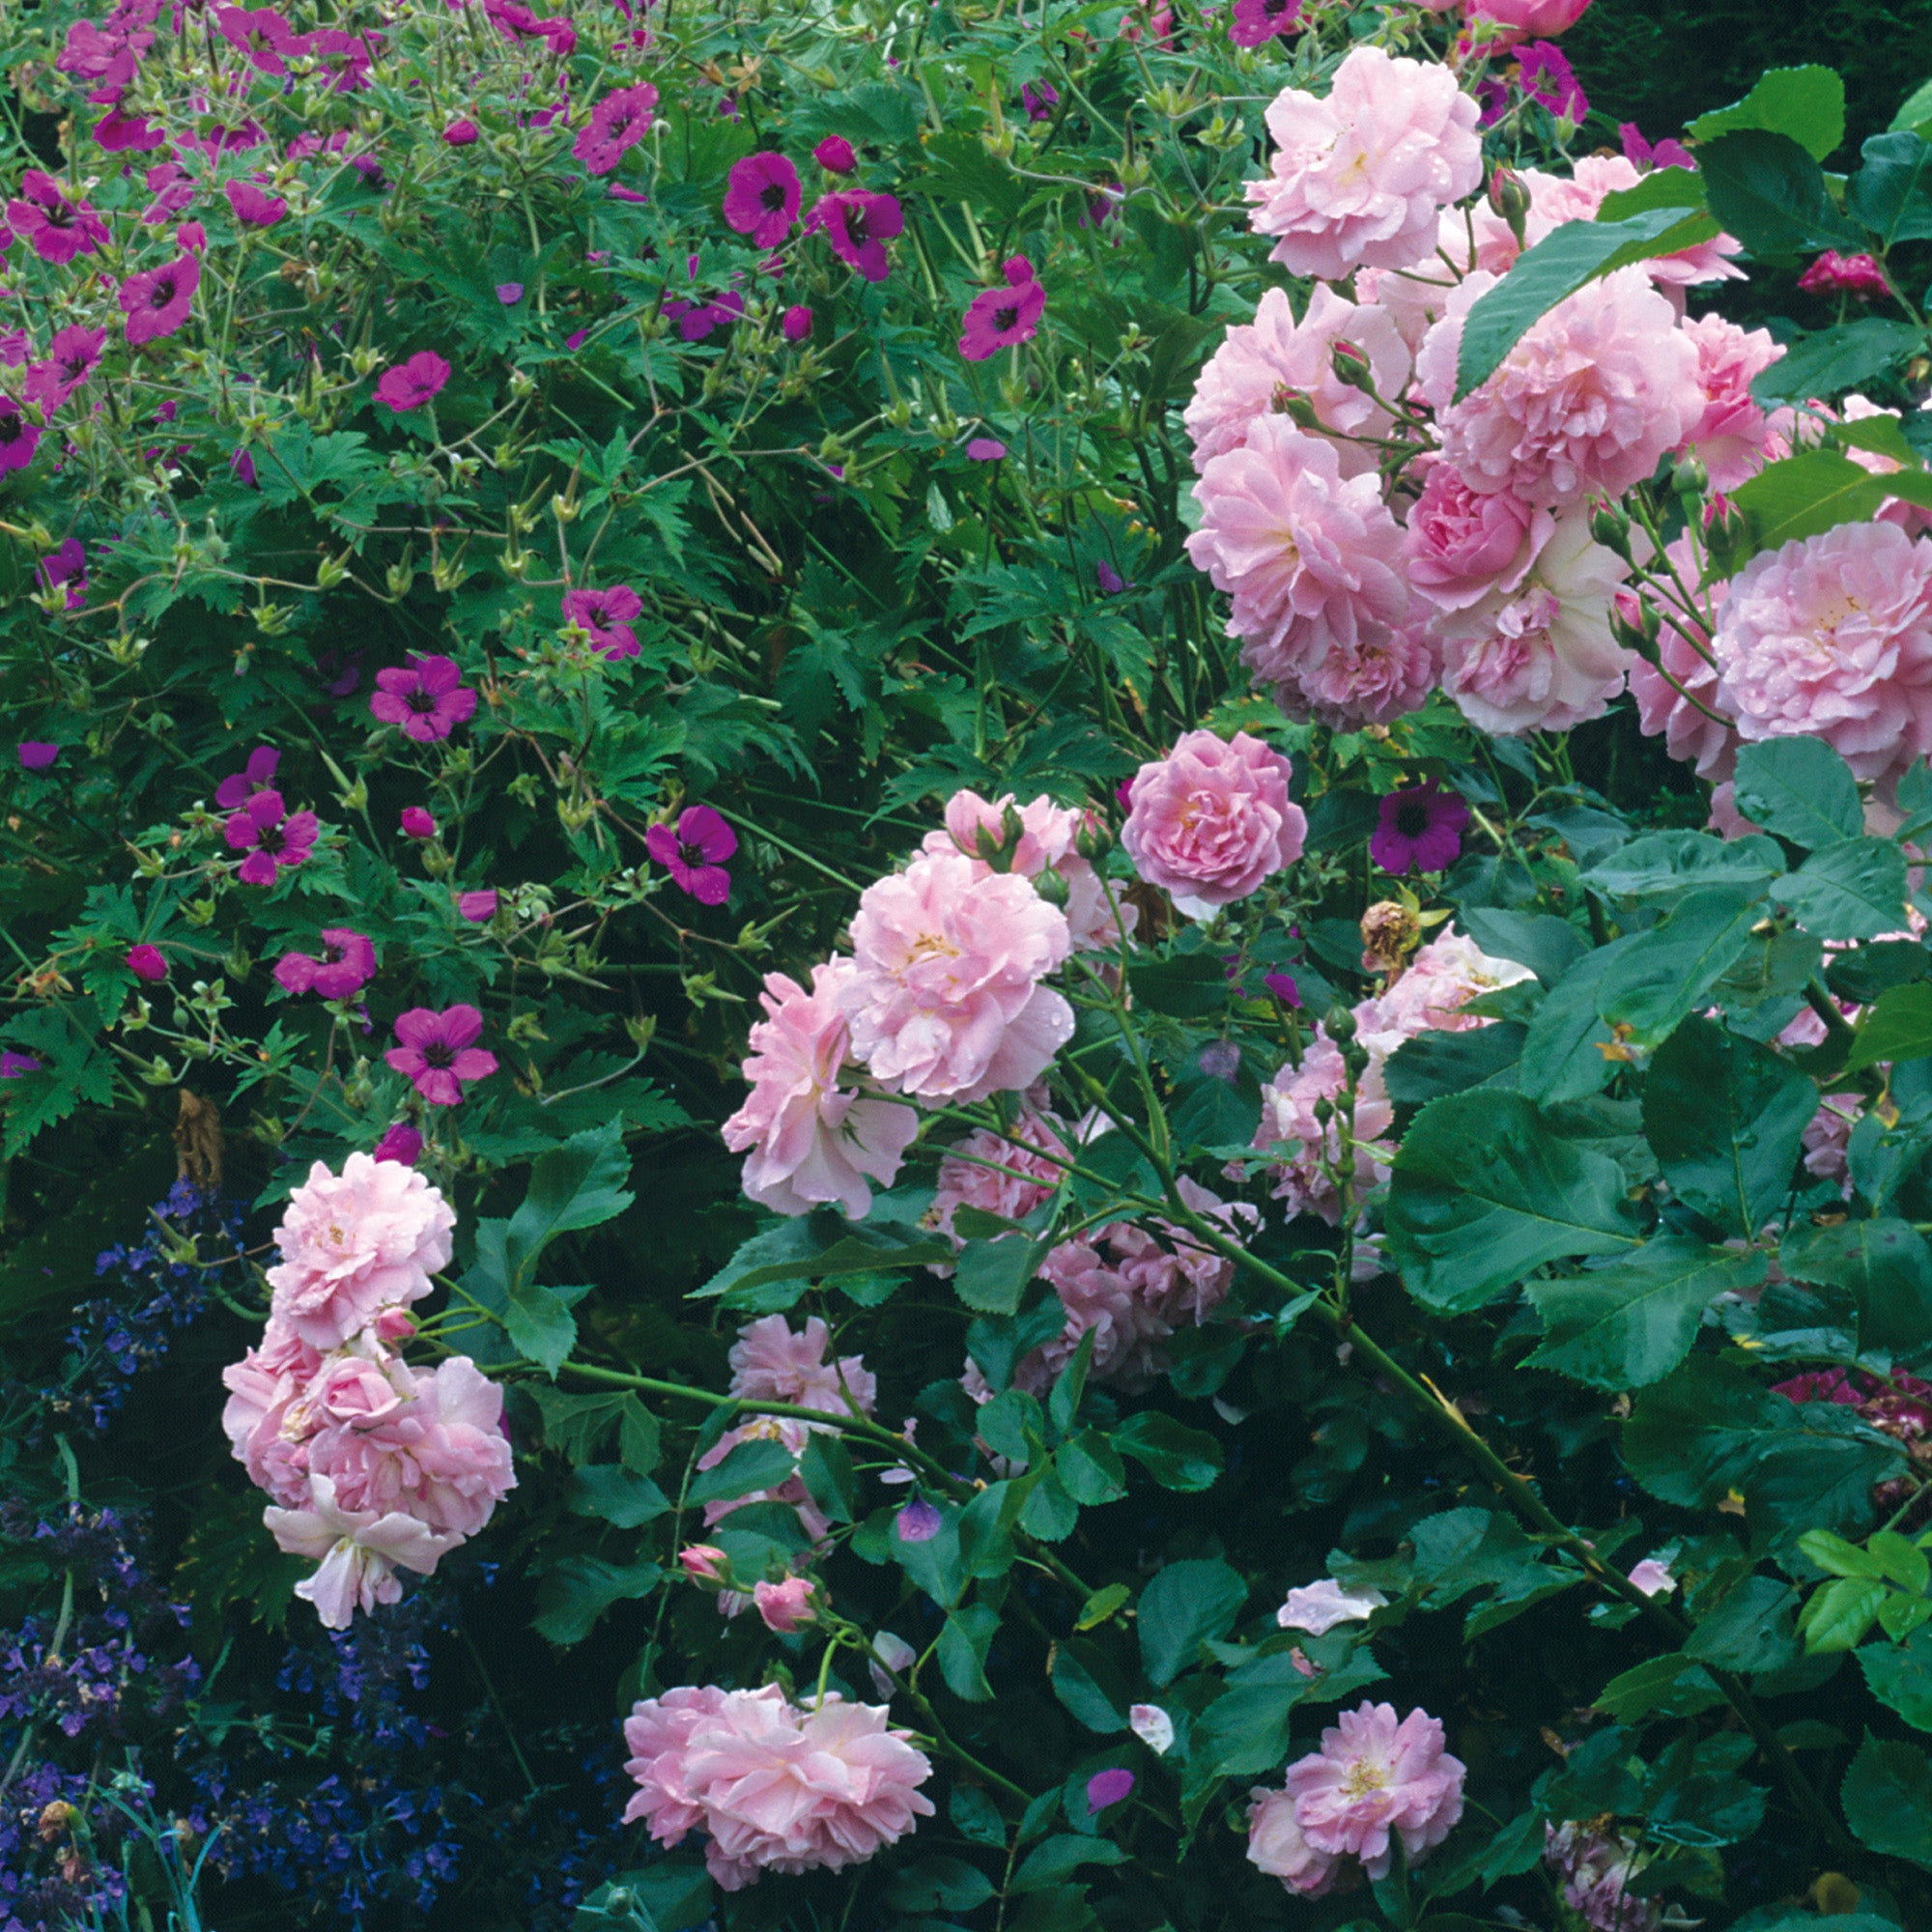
371 1465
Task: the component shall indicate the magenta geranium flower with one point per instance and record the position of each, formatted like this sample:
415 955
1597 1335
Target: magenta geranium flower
254 209
1644 153
857 225
402 1144
426 697
762 199
173 189
146 962
55 228
13 1065
607 614
73 356
997 319
1419 829
272 835
124 134
458 134
1258 21
1548 77
18 438
835 155
617 122
36 756
68 566
478 908
694 854
348 963
412 384
1108 1787
797 322
258 775
1039 99
439 1055
1833 274
262 33
417 823
156 301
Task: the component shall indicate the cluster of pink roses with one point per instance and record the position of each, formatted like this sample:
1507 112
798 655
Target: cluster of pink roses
1374 1780
1380 539
371 1463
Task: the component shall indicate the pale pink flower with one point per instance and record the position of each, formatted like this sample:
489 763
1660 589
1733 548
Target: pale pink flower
1555 199
945 1000
1827 1139
1428 997
1260 364
1462 543
778 1788
1318 1607
1276 1845
1729 437
793 1492
1689 734
1530 19
891 1655
1049 840
787 1606
806 1139
1154 1728
1304 1180
1357 177
1588 399
1381 677
703 1562
264 1387
352 1244
771 1361
358 1551
1830 637
1542 657
1375 1779
1311 561
1653 1577
1211 822
988 1171
1914 519
1596 1865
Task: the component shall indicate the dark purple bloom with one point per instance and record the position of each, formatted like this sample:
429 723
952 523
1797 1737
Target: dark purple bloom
347 965
797 322
412 384
1258 21
243 467
124 133
1039 100
857 225
919 1522
18 438
156 301
36 756
55 228
272 835
402 1144
616 123
1419 829
1001 318
71 357
461 134
835 155
694 854
13 1065
427 698
263 35
1283 988
1108 1787
439 1055
1831 274
145 962
607 614
762 199
1110 579
257 775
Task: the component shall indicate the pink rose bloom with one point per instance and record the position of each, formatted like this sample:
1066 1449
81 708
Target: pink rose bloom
1530 19
703 1562
1653 1577
1288 1118
1543 658
1828 1137
1319 1607
778 1788
806 1139
1428 997
1684 650
1257 361
358 1550
1729 437
1830 637
787 1606
1577 196
1462 543
354 1243
1586 402
1276 1845
1211 821
1311 561
944 996
988 1172
1375 1779
359 1391
1096 917
1357 177
263 1388
773 1362
1914 519
794 1435
1099 1294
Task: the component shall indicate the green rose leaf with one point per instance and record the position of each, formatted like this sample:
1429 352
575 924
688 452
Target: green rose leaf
1887 1799
1798 788
1185 1605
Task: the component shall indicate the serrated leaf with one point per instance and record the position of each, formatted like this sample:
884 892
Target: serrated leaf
1900 1676
756 1464
576 1591
1898 1026
1805 104
1669 971
1174 1456
1885 1266
1852 891
1887 1799
1891 193
1800 788
1184 1607
1765 190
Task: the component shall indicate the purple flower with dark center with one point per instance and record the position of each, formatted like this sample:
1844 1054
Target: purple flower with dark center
1110 579
36 756
55 228
1547 77
607 614
13 1065
857 225
258 775
1039 100
18 438
999 319
427 698
402 1144
919 1522
272 835
835 155
1283 987
985 449
253 208
1419 830
71 357
694 854
762 199
617 124
412 384
156 301
1108 1787
439 1055
146 962
1256 22
263 35
1641 152
347 965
